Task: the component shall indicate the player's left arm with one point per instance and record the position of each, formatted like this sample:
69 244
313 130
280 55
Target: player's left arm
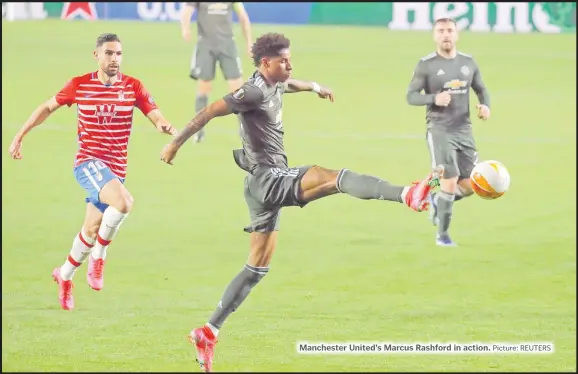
245 99
217 109
160 122
149 108
245 23
483 94
294 85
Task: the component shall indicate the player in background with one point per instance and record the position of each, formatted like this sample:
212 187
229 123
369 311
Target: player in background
216 42
446 76
105 101
270 183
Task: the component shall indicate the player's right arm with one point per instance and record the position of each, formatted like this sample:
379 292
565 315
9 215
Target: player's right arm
66 96
246 98
187 12
417 85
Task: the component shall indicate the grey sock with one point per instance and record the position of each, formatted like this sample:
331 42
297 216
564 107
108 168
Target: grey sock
445 201
236 292
367 187
201 102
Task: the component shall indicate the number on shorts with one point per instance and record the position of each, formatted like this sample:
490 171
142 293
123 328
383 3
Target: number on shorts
94 167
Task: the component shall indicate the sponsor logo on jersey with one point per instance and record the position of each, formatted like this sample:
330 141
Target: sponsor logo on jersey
456 86
105 113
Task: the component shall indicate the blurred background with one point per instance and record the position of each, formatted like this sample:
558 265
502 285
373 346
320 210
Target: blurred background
345 270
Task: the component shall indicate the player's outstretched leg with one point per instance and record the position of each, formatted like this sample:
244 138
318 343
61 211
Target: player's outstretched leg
119 202
204 338
80 251
319 182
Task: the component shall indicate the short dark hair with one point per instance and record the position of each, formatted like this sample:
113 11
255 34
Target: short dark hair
106 37
268 45
444 20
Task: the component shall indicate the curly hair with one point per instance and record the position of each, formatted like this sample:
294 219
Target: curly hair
268 45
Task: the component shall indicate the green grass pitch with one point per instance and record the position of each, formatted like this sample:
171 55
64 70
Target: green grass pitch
344 270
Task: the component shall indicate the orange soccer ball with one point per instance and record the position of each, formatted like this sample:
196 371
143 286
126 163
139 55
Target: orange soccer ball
490 179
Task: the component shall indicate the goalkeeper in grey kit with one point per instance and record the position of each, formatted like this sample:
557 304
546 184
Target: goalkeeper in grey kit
446 76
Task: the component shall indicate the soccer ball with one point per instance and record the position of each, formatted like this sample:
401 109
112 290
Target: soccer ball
490 179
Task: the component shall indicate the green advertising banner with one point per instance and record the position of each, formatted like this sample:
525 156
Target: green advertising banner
53 10
480 17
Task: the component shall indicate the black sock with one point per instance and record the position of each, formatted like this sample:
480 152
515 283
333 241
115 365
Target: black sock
236 292
367 187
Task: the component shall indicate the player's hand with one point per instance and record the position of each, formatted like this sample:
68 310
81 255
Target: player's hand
483 112
15 148
443 98
326 93
186 33
168 153
167 128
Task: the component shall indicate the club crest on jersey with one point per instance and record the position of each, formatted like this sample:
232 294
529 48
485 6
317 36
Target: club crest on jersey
465 70
121 96
239 94
104 113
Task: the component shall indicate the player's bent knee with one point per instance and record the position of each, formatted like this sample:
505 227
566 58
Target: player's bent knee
465 187
124 204
318 182
449 185
204 87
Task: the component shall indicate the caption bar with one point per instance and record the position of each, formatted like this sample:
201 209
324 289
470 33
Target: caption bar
425 348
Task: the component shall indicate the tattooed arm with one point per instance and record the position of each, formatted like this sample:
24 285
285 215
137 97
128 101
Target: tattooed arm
245 99
294 85
217 109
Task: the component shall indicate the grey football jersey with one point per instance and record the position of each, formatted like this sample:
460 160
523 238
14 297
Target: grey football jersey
435 74
214 21
259 107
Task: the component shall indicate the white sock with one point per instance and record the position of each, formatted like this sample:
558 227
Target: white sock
404 193
214 330
81 248
111 221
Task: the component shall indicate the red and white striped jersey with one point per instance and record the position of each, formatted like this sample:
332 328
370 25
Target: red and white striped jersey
105 116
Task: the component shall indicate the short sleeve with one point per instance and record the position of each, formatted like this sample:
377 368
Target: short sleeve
245 99
143 100
67 95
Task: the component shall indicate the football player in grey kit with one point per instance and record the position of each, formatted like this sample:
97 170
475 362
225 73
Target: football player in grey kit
446 77
270 183
216 42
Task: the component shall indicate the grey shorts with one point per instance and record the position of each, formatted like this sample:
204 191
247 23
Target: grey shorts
455 150
205 57
268 190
